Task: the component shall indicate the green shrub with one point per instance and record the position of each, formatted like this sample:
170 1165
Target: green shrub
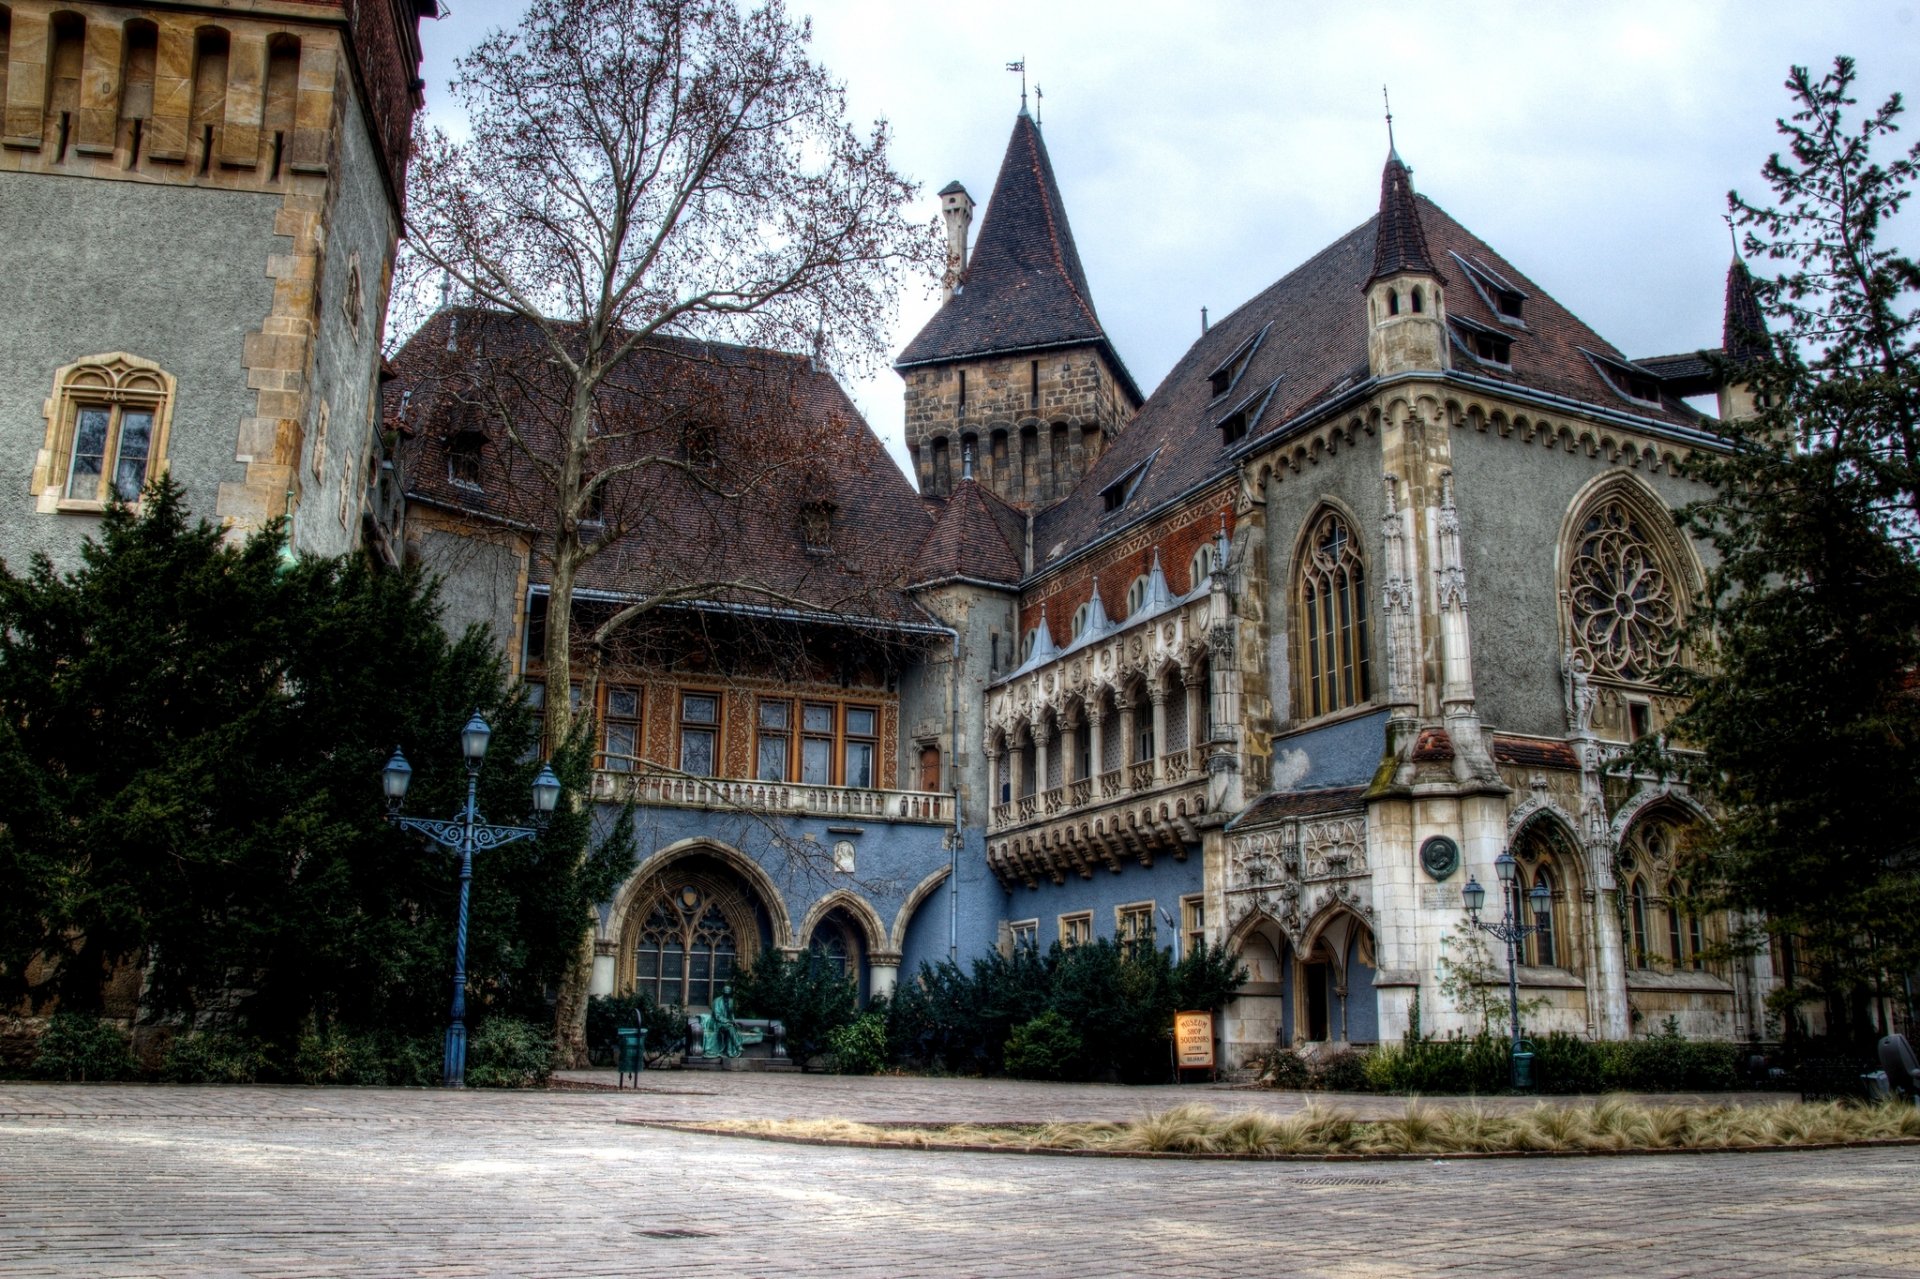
810 994
507 1052
337 1056
606 1014
1667 1063
83 1048
860 1046
214 1057
1342 1071
1285 1068
1045 1048
1564 1063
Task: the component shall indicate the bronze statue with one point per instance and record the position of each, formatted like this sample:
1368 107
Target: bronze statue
722 1035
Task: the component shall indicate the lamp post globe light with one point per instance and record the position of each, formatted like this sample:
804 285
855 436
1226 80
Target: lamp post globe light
1510 930
467 834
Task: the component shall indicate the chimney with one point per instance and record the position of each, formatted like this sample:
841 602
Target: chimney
956 206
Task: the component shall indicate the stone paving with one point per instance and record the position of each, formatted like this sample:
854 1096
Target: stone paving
175 1181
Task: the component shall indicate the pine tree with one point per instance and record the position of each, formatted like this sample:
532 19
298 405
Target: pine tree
1805 709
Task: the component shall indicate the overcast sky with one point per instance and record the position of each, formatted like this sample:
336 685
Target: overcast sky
1204 150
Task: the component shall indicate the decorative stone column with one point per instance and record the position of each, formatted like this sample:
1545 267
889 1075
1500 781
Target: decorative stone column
1125 705
1042 739
1403 695
1157 694
883 974
1096 744
601 983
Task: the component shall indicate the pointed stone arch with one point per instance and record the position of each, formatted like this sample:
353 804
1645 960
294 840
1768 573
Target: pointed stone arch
857 908
657 862
897 936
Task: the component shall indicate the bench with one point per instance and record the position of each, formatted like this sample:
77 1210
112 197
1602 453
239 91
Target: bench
760 1038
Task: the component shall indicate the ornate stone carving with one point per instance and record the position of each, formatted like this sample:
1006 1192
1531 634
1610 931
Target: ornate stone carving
1580 694
1623 608
1293 872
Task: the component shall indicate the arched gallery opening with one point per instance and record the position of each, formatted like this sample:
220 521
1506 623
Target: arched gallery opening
688 927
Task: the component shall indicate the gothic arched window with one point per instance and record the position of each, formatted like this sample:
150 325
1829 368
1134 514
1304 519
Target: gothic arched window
1330 605
686 949
106 432
1625 602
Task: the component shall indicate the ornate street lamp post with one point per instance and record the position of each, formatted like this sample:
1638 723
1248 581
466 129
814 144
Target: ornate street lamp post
466 834
1511 931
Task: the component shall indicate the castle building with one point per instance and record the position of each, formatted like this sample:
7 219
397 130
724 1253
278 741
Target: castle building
199 204
1365 595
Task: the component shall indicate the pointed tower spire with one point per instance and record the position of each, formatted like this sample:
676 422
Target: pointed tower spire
1400 245
1743 330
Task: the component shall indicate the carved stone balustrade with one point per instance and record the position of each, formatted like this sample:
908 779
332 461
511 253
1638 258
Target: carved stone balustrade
1107 834
774 798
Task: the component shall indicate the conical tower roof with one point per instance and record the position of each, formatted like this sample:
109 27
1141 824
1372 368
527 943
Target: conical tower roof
1024 288
1743 331
1401 244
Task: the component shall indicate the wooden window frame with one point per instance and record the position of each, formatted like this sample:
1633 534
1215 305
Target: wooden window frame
1024 932
120 383
838 738
630 763
715 727
1076 928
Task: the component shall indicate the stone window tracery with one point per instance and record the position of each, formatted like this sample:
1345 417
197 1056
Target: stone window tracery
1624 602
1330 605
106 436
687 946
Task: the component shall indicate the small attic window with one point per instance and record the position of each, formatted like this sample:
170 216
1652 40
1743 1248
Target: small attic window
1630 380
1137 594
700 445
1080 616
1505 300
1242 417
463 458
1487 345
1222 379
1121 491
816 527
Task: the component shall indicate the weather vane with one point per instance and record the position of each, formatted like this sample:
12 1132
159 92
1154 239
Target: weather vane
1039 97
1021 67
1389 105
1731 233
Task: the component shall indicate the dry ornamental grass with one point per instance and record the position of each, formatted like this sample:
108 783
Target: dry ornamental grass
1610 1124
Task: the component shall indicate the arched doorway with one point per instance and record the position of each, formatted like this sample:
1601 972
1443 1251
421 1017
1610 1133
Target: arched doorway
688 928
1263 1012
1333 992
841 940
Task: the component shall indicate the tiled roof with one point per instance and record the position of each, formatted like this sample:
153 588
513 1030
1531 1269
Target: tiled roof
1024 287
1315 349
1399 243
1276 805
1743 331
969 539
1537 752
783 434
1434 745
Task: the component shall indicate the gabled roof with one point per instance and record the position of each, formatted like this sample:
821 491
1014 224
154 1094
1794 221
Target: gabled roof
1399 243
971 538
787 437
1024 288
1315 349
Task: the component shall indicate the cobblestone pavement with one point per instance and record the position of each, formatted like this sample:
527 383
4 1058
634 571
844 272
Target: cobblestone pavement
119 1181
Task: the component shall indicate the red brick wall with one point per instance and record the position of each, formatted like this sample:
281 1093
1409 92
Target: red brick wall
1178 536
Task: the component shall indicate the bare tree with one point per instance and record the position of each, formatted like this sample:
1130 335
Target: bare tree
641 182
643 168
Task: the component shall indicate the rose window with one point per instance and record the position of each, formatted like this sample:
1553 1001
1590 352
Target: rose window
1626 621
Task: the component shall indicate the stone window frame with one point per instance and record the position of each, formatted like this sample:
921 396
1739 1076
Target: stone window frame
1128 932
118 380
1346 633
1076 928
1023 932
1193 921
1667 550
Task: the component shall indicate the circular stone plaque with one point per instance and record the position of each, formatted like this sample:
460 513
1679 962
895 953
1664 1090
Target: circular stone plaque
1440 856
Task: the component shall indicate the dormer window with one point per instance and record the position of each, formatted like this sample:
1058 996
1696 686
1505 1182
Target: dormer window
1223 379
1080 616
1137 594
463 458
699 446
816 527
1485 344
1630 380
1505 300
1121 491
1244 416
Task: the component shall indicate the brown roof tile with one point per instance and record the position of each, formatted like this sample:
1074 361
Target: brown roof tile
1399 243
784 435
1314 350
1536 752
1274 806
967 540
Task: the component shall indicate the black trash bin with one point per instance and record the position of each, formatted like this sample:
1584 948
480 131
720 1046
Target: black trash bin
630 1054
